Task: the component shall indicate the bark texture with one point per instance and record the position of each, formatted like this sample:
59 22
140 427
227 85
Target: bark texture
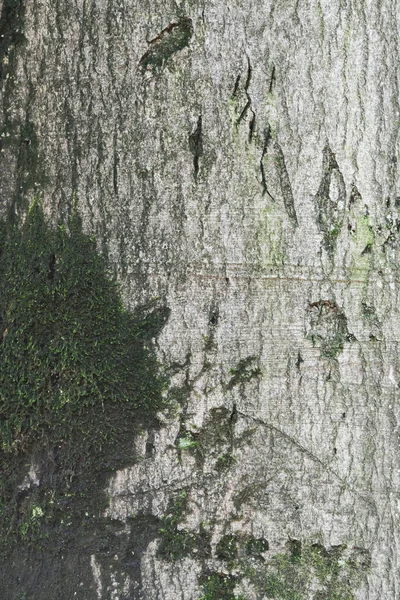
237 161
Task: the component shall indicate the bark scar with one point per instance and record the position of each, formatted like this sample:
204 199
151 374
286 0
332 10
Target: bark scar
165 44
196 145
267 138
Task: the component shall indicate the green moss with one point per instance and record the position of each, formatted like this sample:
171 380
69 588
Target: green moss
328 327
227 548
77 371
219 587
245 371
187 441
176 542
304 571
68 344
225 461
236 549
256 546
217 431
12 20
309 571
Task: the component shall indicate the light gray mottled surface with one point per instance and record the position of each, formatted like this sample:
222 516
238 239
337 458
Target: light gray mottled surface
283 247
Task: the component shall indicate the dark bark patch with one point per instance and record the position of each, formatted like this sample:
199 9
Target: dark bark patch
355 196
327 327
285 185
330 200
11 32
168 42
196 146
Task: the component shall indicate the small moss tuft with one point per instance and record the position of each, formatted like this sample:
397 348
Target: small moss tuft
225 461
227 548
256 546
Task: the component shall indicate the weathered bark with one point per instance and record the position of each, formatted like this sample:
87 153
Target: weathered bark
243 168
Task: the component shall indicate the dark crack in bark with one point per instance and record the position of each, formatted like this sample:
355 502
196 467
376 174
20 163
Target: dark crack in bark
272 80
196 146
267 139
285 184
247 106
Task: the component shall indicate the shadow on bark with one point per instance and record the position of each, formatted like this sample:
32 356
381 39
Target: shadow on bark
79 377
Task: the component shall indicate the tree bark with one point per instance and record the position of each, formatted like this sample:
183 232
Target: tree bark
238 162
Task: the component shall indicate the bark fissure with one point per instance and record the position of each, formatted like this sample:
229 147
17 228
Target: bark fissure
196 146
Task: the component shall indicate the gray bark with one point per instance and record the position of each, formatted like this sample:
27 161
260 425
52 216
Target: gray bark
245 171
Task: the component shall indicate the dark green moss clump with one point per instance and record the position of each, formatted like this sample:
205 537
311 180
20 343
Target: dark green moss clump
333 573
227 548
217 586
246 370
328 327
68 345
177 542
236 548
78 374
225 461
256 546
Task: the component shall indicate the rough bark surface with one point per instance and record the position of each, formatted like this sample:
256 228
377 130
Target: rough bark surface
238 161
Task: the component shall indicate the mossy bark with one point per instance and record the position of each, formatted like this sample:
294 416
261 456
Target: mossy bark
236 167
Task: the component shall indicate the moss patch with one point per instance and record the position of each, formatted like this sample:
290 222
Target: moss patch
305 571
328 327
77 371
11 32
216 435
311 572
177 542
256 546
236 549
227 548
217 586
225 461
246 370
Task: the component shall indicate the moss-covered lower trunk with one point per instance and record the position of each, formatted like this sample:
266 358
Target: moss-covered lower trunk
199 249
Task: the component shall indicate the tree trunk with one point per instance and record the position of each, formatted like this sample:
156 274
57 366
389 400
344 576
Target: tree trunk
238 164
